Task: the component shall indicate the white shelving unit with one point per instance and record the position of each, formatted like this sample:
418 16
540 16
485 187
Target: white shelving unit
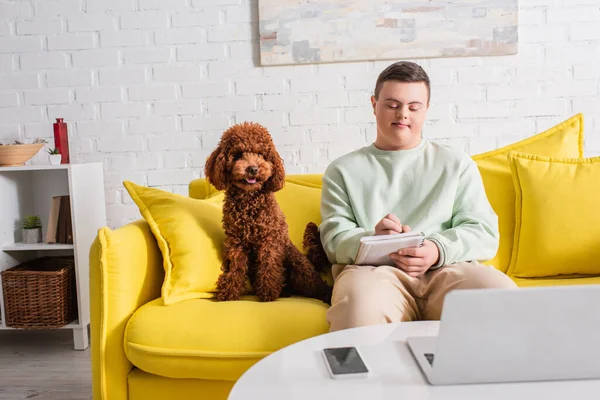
28 190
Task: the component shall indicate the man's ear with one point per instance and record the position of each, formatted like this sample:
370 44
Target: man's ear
216 169
373 103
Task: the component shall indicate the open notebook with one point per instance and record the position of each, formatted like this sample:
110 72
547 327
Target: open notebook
376 250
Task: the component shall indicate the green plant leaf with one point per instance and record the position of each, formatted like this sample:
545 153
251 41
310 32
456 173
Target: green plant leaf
32 222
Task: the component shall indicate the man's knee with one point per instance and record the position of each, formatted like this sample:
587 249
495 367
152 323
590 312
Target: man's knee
479 276
358 288
359 299
460 276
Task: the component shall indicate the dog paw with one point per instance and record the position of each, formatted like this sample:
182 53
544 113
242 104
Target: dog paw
267 298
268 295
228 288
227 296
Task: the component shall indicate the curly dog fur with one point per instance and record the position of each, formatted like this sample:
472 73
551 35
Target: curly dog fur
311 243
257 245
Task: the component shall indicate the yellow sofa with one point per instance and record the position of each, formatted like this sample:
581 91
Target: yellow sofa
192 349
198 348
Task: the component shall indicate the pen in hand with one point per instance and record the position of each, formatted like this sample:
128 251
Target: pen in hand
390 224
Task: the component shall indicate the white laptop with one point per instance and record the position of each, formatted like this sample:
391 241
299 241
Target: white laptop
514 335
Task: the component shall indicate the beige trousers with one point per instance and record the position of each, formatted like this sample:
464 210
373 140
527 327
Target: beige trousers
364 295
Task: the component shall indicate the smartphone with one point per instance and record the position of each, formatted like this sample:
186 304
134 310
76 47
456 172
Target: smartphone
345 362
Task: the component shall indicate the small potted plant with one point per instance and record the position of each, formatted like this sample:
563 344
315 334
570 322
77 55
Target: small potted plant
55 156
32 229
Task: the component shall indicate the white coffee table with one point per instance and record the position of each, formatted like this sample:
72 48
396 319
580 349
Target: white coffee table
298 372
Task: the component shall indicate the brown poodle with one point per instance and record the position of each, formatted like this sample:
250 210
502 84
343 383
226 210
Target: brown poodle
257 245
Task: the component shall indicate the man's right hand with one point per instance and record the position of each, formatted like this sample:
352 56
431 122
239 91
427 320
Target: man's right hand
390 224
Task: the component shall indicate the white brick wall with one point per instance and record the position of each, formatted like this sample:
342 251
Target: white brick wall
19 81
122 76
91 23
147 56
47 96
49 60
38 26
144 20
101 6
148 86
208 17
21 44
71 42
58 8
95 58
125 38
153 125
69 78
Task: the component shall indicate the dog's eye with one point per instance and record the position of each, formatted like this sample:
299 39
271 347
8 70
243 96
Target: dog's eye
237 156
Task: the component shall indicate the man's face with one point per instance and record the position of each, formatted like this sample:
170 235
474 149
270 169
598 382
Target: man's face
400 113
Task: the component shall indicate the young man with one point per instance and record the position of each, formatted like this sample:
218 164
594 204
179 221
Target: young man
401 182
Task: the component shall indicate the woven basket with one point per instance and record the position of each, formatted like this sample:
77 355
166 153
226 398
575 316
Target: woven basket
40 294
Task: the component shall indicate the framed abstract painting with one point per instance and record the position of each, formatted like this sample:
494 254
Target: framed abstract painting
322 31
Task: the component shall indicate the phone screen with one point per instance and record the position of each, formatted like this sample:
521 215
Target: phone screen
345 360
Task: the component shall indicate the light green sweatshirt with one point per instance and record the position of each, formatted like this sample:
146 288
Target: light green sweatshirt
432 188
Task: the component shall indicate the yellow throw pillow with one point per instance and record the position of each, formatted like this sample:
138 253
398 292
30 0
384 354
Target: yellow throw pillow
190 234
557 229
563 140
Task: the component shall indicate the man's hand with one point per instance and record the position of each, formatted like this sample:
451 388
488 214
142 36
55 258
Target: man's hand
415 261
390 224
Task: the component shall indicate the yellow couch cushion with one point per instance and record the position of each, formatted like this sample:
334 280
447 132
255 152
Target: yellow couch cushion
563 140
206 339
557 226
190 233
557 281
190 237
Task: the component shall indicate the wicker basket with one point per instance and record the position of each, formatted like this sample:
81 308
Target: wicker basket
40 294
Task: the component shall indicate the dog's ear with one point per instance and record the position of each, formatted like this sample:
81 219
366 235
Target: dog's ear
277 179
216 169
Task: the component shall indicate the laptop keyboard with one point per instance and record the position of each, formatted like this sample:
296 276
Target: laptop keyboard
429 357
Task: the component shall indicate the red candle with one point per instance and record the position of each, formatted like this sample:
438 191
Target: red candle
61 140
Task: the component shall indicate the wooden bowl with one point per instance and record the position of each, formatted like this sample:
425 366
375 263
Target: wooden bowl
13 155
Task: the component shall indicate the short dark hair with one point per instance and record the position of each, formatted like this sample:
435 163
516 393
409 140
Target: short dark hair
403 71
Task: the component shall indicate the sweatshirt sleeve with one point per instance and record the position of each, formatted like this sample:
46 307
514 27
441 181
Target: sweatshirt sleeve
473 234
340 233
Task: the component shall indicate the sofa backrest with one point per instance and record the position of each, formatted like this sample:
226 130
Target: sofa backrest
201 189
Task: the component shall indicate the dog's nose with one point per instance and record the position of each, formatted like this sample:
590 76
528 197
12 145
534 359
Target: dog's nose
252 170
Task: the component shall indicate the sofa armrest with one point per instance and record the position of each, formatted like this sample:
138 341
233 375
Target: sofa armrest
126 272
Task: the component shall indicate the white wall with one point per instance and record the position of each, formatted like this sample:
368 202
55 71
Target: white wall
148 86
